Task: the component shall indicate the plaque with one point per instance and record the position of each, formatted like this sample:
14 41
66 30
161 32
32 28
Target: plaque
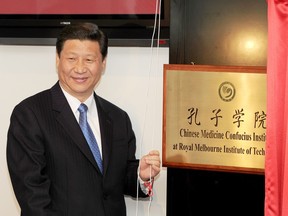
214 117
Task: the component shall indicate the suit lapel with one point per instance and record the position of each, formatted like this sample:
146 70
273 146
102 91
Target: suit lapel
67 119
106 129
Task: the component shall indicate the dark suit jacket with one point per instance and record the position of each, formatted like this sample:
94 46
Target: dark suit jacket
52 169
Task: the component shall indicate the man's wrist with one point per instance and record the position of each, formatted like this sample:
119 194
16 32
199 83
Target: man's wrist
147 186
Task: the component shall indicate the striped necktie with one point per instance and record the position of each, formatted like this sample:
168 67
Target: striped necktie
90 138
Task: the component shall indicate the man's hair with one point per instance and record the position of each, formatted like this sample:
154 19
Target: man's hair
83 31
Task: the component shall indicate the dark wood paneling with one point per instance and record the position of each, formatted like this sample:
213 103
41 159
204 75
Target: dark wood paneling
216 32
207 193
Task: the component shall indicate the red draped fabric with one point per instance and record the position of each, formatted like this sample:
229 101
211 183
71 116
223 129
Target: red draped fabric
276 162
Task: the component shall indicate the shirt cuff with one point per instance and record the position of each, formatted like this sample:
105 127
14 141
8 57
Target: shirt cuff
146 186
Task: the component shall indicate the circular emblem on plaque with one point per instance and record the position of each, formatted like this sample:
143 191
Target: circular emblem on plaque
227 91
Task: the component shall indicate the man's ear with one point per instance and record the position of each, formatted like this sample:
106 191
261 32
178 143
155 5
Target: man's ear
57 59
104 65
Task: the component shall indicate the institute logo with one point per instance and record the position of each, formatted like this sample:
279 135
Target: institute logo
226 91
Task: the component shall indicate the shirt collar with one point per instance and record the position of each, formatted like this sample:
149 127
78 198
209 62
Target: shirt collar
75 103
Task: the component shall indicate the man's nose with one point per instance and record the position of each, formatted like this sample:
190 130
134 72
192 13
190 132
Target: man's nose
80 66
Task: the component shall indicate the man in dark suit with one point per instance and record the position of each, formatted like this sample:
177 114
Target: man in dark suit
52 168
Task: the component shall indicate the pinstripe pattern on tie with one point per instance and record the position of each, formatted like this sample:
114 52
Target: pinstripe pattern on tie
90 138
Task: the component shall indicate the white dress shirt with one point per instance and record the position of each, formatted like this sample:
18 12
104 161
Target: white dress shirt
92 114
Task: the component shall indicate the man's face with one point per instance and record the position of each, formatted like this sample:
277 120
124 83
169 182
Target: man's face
80 66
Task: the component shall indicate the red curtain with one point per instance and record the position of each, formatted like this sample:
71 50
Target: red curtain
276 163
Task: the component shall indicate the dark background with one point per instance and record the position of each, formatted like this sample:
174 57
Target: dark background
216 32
